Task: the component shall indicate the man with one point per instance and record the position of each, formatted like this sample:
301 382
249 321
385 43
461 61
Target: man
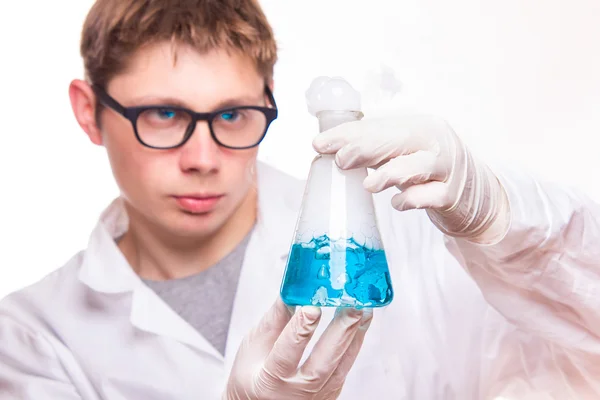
495 279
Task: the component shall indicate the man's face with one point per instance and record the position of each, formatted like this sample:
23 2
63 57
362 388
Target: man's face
193 190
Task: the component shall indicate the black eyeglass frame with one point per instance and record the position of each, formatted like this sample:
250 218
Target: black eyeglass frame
133 113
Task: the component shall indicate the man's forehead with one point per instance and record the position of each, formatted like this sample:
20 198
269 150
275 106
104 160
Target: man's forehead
155 71
175 55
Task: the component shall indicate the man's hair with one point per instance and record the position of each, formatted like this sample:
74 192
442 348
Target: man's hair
115 29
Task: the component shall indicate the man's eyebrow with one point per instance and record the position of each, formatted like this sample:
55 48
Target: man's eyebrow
147 101
176 102
240 101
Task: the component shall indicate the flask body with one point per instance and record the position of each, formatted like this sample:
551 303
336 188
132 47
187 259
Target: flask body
337 257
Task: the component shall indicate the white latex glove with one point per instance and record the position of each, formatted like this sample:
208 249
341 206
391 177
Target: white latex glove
266 365
426 160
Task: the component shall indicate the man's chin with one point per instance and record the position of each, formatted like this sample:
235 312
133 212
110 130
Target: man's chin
189 224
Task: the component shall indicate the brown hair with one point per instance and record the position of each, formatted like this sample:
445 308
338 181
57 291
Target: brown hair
115 29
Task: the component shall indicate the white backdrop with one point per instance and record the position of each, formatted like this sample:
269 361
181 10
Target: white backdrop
519 80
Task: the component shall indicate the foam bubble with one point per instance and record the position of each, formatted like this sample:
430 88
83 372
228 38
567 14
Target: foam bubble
332 94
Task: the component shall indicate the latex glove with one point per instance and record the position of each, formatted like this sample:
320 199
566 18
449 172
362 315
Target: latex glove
426 160
266 365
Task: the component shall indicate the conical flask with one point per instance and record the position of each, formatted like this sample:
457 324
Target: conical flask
337 257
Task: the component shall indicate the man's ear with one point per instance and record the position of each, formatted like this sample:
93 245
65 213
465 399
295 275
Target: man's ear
83 103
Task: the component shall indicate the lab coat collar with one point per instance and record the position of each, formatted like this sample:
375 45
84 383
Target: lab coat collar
279 201
105 269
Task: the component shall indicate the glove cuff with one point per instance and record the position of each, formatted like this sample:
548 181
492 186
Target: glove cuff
481 213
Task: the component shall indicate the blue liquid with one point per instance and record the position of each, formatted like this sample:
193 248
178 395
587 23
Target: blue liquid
336 274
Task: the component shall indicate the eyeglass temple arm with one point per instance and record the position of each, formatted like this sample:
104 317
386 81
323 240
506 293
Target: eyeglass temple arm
270 96
107 100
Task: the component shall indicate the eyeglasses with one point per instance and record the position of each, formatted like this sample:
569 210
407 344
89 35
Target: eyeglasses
168 127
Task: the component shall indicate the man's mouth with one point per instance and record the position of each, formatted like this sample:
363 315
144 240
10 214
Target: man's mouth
198 203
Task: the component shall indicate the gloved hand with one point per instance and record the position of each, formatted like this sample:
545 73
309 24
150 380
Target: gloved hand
426 160
266 365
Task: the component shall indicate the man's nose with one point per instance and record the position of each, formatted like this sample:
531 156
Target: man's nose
200 153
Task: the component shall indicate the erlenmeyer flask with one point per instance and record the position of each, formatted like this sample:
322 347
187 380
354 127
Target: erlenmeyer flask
337 257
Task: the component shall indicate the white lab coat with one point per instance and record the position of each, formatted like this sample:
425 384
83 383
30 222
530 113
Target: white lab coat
92 330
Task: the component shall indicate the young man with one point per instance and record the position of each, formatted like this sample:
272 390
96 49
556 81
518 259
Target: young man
495 279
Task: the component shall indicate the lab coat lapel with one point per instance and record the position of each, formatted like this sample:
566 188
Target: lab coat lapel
151 314
105 270
280 197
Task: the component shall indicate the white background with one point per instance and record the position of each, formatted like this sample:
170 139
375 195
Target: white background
518 79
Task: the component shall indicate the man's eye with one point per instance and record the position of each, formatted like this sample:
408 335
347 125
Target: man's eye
166 113
229 116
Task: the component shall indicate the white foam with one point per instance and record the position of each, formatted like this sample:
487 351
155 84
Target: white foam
332 94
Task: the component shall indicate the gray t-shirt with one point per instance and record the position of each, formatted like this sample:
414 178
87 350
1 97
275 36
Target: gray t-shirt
205 300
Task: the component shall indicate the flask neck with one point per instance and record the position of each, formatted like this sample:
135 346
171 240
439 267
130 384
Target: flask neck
331 119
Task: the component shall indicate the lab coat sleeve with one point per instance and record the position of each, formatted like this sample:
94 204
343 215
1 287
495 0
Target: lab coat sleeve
29 367
544 275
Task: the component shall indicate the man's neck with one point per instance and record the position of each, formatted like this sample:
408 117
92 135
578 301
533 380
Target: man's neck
157 257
